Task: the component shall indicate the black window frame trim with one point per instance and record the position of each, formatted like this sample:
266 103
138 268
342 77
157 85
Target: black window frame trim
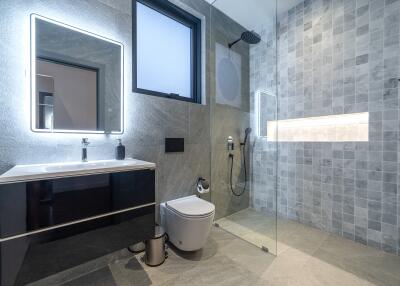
176 13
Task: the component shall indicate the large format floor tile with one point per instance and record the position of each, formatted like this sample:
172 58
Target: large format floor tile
306 256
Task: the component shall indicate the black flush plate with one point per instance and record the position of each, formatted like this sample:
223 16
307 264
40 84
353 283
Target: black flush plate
173 145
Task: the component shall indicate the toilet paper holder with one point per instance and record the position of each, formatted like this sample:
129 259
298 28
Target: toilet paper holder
203 186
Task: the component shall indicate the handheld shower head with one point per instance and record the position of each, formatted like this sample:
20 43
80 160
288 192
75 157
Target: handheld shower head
247 132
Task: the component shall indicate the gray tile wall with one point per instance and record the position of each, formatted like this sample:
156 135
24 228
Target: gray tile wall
263 64
148 119
335 57
227 120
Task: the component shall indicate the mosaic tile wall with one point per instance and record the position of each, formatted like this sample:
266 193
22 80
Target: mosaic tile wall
336 57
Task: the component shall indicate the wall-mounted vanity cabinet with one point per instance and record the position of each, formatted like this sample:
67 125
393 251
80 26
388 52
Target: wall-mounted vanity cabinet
55 217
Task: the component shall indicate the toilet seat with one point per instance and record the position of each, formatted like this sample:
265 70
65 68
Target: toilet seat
191 207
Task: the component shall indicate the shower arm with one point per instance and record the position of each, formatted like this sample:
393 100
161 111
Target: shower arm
233 43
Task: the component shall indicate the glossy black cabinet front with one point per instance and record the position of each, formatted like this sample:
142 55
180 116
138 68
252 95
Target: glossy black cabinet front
32 206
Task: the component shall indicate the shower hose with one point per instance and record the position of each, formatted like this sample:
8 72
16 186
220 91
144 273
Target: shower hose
245 173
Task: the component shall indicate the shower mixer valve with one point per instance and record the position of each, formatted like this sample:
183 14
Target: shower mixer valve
231 145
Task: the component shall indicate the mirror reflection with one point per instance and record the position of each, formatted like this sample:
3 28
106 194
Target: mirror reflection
77 80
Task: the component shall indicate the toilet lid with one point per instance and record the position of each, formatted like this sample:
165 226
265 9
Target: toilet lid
191 206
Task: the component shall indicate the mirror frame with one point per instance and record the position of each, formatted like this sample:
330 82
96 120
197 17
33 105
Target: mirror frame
33 99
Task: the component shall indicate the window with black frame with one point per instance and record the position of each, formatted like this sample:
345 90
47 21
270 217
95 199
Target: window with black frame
166 51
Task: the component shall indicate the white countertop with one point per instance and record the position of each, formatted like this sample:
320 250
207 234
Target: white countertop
23 173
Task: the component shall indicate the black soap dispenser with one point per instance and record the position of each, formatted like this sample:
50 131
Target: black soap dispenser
120 151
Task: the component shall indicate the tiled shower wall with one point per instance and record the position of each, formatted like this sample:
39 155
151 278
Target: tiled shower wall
227 119
263 83
336 57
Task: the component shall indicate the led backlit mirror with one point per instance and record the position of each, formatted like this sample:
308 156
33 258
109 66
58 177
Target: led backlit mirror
76 80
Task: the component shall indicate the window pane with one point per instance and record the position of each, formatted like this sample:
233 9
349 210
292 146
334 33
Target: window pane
163 53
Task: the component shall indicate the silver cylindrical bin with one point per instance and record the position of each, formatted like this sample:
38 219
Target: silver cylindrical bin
155 248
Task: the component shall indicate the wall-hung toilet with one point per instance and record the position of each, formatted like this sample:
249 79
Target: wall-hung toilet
187 222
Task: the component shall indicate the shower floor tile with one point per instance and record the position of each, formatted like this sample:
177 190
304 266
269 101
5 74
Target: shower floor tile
308 256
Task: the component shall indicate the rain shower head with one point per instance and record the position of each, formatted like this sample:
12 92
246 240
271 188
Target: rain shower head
249 37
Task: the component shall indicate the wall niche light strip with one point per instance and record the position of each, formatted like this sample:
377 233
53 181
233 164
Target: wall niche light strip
332 128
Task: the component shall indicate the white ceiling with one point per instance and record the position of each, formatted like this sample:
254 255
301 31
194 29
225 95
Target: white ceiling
253 14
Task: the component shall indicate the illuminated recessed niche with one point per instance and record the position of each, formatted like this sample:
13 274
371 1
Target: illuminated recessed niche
332 128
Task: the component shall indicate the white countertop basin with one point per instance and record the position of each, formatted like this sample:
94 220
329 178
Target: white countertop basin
22 173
